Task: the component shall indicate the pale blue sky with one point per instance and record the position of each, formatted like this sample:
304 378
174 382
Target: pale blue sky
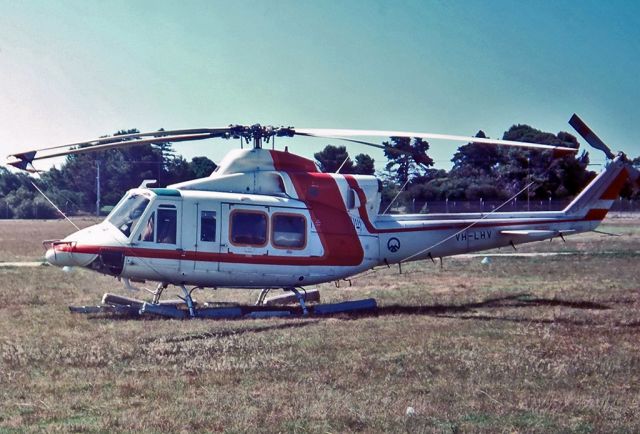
74 70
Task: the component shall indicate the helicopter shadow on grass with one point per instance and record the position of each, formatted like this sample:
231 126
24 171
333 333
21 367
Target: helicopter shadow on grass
475 310
465 311
459 311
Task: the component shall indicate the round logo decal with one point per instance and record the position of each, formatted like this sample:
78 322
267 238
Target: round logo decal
393 244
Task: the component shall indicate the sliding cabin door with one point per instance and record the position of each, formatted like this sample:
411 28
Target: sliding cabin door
244 240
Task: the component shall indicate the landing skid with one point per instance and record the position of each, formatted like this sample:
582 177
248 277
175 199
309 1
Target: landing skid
186 307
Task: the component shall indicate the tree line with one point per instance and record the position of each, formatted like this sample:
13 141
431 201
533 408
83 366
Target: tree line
479 171
72 187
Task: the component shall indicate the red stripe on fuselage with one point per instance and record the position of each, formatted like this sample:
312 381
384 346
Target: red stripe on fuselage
328 212
138 252
334 254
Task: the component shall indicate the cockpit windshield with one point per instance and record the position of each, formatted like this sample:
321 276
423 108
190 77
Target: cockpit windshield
128 212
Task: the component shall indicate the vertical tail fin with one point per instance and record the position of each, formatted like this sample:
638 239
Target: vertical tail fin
596 199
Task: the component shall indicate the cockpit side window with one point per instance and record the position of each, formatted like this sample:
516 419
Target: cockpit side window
128 212
148 233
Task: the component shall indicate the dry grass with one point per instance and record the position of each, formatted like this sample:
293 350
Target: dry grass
21 240
522 345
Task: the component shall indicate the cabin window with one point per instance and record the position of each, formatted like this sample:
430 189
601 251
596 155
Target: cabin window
207 225
167 224
288 231
249 228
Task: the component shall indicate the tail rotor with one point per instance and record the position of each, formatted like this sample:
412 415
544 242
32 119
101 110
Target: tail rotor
591 138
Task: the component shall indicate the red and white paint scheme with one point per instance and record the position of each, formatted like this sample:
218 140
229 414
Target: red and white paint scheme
270 219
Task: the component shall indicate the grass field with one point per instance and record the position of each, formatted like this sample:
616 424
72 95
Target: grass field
542 344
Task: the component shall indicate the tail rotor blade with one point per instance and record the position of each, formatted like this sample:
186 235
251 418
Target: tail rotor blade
591 137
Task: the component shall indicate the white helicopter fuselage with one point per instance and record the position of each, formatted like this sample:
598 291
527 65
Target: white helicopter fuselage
269 219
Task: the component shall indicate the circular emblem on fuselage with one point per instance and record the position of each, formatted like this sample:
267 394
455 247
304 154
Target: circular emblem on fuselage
393 244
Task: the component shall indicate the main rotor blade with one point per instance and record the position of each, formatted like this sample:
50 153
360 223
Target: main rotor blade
362 142
337 133
126 137
115 142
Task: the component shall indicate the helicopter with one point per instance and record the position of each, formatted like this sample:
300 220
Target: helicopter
269 219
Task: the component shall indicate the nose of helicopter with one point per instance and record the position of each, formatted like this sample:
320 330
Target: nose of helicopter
50 256
66 254
81 248
59 256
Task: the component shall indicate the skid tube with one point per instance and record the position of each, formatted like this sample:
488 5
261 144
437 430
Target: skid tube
186 308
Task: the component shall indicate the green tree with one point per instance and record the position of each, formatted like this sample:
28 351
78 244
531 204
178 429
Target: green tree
201 167
332 157
178 170
364 165
552 175
120 170
477 159
407 158
498 172
73 186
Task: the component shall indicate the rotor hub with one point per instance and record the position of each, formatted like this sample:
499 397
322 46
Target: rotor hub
258 133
